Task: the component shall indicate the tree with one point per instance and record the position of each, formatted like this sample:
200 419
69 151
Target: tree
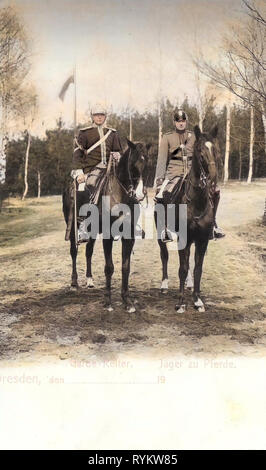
251 145
14 66
59 148
242 65
25 109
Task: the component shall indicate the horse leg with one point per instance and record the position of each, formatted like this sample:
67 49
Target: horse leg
164 259
189 280
127 246
89 252
200 250
183 271
189 284
108 270
73 252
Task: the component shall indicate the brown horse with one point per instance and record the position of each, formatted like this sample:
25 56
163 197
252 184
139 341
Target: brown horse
198 194
123 190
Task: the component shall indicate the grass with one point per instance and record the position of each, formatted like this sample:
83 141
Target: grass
24 220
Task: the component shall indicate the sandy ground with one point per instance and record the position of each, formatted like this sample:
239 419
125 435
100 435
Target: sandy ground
43 320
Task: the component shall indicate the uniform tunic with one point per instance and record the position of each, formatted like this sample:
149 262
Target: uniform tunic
88 137
169 166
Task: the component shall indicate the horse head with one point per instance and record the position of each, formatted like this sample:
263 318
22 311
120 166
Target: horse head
206 155
137 158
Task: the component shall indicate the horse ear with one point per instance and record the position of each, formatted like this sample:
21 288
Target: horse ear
197 132
214 132
130 144
148 146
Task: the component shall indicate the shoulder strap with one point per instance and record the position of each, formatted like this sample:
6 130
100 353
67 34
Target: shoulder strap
99 142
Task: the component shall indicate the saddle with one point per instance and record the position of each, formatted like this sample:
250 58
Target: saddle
95 182
173 189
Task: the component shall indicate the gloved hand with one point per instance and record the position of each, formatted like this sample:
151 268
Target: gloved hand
159 183
81 178
116 156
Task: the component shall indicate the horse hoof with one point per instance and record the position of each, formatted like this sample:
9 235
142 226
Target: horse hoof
199 305
74 288
164 286
180 308
130 309
201 309
109 308
164 291
90 282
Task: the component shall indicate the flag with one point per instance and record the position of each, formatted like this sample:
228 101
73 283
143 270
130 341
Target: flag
65 87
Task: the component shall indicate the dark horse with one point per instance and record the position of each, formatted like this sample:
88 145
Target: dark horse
197 193
124 186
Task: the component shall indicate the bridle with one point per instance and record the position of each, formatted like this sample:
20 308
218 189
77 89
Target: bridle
130 191
204 183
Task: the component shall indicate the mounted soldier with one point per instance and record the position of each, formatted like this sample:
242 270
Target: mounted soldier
93 147
173 165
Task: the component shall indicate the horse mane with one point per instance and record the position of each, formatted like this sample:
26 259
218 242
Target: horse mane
122 167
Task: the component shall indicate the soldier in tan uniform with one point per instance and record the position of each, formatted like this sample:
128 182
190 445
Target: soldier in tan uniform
174 161
176 148
93 147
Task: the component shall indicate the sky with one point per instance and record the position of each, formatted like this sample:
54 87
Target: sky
125 51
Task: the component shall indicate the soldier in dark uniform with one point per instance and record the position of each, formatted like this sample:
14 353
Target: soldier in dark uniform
175 160
93 147
86 153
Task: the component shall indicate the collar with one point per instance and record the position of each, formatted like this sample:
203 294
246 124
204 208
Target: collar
102 126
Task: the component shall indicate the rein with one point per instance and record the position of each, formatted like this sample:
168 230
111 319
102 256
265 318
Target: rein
202 184
130 192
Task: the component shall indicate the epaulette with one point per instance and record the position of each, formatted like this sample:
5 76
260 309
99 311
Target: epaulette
169 132
110 128
86 128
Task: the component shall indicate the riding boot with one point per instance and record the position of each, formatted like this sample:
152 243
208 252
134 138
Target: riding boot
83 235
216 231
160 189
166 236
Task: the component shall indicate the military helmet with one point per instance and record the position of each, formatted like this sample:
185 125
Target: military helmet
179 114
98 108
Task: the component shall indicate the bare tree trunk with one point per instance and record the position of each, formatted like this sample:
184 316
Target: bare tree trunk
264 126
39 184
200 119
26 167
3 138
130 126
2 160
160 127
159 123
227 143
264 214
251 144
240 161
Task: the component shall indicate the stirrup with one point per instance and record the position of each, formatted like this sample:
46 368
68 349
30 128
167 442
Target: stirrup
83 235
166 236
218 233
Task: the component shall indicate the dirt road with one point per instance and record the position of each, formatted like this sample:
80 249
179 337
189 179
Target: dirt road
41 318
